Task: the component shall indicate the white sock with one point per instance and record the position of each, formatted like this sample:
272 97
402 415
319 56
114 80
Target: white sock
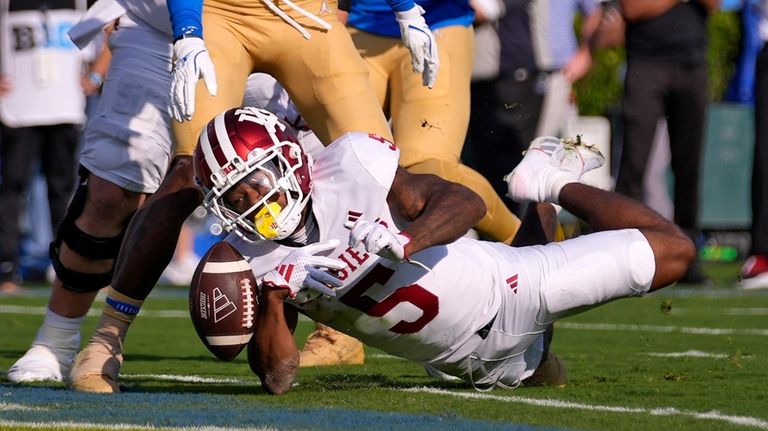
552 182
59 332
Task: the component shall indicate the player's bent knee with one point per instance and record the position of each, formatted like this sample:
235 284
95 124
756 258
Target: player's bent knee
89 247
84 244
675 252
180 177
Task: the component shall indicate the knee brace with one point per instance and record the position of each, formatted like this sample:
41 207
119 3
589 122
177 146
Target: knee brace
82 243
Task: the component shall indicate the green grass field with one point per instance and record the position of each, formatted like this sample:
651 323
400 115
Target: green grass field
686 358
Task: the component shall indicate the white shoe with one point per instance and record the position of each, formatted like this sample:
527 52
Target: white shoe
754 272
581 158
179 272
549 164
41 364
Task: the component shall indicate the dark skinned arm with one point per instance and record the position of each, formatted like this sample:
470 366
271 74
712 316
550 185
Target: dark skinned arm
710 5
638 10
272 353
610 32
441 212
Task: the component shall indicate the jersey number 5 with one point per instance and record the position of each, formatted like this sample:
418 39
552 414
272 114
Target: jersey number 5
421 298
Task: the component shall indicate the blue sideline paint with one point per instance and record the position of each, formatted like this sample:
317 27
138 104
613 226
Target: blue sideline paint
29 405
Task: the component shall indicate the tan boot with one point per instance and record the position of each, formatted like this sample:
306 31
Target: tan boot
326 346
97 366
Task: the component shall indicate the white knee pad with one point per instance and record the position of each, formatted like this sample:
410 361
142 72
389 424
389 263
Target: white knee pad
595 269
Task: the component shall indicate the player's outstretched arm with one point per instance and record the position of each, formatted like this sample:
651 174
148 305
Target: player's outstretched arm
441 211
272 353
672 249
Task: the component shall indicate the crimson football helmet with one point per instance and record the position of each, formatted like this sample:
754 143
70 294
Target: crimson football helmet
252 146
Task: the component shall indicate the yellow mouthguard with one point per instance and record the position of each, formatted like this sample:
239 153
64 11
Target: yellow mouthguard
264 220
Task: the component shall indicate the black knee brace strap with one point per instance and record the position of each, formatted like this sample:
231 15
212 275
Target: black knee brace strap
85 245
78 281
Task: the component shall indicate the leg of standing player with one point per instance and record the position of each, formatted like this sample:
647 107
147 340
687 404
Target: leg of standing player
123 160
149 244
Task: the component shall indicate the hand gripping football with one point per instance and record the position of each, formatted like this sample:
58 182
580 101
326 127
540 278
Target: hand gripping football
223 301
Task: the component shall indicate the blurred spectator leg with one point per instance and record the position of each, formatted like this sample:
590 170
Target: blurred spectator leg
18 154
504 116
687 114
655 184
754 273
641 114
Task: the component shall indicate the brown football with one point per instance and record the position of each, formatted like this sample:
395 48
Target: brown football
223 301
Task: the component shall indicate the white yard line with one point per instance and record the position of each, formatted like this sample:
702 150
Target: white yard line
539 402
660 328
123 426
731 311
40 311
752 311
19 407
546 402
689 354
384 356
184 314
189 379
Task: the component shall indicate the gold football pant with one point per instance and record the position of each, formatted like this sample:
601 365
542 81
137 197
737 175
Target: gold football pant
429 125
324 75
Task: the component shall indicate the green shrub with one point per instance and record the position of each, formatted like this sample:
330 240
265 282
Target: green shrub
601 89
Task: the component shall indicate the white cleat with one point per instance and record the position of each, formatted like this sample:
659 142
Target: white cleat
580 158
41 364
549 164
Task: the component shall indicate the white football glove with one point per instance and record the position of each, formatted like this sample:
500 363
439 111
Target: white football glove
191 62
418 38
302 270
379 240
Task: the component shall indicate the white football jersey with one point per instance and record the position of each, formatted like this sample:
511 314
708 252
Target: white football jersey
426 316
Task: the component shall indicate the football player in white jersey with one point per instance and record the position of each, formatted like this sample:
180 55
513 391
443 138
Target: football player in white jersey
243 37
354 241
125 156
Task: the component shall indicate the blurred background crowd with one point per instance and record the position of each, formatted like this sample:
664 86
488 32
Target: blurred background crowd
671 91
